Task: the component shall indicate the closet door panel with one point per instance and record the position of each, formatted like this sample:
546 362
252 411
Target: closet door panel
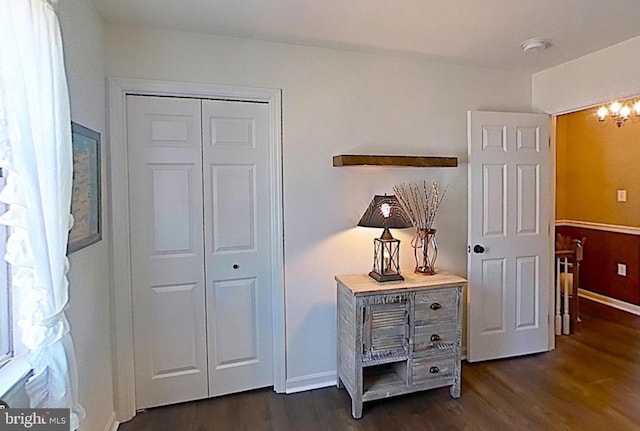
167 252
237 245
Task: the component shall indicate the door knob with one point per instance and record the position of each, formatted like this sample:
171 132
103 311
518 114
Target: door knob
236 266
478 249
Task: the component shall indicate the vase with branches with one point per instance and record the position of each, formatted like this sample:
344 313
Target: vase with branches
421 203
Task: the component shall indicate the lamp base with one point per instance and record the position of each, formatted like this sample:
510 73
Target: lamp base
381 278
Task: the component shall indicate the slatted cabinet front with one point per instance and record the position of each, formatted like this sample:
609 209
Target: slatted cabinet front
386 329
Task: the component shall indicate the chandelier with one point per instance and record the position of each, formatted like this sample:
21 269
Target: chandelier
619 112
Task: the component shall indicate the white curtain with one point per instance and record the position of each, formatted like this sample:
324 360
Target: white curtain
36 154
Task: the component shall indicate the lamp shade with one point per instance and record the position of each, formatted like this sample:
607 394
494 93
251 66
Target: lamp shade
385 212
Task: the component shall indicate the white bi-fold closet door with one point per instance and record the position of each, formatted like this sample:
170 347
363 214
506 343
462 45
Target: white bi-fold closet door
200 208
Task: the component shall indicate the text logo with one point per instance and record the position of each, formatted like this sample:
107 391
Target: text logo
35 419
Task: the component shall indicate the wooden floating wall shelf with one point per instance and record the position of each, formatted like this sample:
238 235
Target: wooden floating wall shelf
415 161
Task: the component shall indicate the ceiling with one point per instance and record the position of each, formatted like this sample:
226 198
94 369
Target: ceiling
484 33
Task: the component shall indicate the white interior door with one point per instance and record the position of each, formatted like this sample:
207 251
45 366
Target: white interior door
167 254
200 222
509 244
237 215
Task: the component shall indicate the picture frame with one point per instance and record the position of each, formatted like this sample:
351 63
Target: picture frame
86 200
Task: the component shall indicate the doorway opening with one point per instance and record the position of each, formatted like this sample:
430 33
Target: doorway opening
598 199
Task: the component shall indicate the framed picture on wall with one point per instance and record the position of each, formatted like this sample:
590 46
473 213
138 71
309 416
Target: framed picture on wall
85 196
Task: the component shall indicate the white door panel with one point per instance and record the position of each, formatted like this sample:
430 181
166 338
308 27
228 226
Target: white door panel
509 219
165 189
238 245
174 345
233 194
235 315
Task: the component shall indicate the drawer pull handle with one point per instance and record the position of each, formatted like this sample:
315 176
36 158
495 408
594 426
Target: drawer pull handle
435 337
435 306
434 370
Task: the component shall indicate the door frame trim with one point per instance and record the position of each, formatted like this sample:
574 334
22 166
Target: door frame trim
552 229
553 121
122 323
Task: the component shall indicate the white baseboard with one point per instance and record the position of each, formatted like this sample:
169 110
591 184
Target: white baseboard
112 423
611 302
311 381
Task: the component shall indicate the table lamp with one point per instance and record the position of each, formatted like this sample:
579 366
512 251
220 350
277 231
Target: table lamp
385 212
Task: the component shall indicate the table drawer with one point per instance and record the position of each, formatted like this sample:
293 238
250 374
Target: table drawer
434 338
433 368
434 307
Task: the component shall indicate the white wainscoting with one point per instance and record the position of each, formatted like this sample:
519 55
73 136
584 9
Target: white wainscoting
631 230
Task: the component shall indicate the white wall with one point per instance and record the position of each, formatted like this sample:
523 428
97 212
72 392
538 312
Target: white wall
603 76
336 102
89 311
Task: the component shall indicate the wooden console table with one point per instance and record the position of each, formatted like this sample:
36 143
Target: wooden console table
398 337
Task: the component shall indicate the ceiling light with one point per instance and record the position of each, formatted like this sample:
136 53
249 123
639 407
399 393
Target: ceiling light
535 44
619 112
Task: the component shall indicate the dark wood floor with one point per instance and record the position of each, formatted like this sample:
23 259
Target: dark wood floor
590 382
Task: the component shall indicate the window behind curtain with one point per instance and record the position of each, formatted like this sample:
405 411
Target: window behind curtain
6 321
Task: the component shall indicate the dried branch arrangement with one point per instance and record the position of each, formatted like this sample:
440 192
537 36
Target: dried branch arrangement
420 202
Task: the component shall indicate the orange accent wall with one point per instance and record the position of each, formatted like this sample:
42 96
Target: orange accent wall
593 160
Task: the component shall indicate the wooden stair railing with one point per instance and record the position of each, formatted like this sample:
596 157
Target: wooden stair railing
569 256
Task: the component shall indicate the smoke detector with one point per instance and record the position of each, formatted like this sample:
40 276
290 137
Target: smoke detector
535 44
